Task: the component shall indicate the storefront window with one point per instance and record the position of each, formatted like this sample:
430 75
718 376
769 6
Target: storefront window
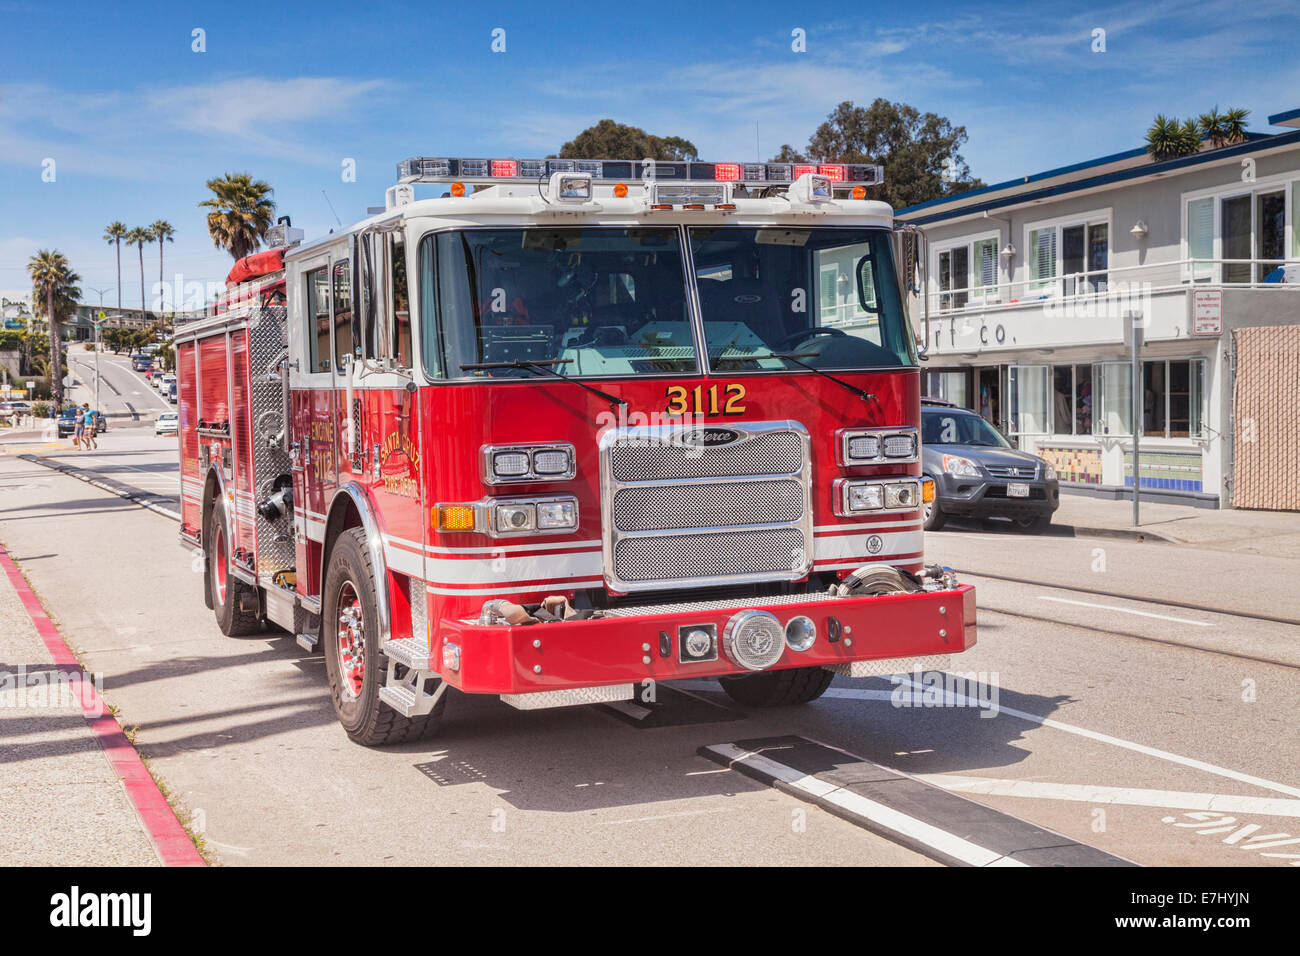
1115 412
1029 399
1171 398
1072 400
948 387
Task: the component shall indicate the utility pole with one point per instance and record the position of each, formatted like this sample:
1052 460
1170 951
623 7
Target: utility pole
1139 409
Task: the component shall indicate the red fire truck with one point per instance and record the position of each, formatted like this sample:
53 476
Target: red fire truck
566 427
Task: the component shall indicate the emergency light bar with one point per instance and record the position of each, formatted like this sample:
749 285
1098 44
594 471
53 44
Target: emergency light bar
446 169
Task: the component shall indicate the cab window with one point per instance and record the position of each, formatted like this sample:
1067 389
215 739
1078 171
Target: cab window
343 337
318 319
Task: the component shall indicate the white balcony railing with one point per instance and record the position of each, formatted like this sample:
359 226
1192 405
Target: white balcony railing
1120 283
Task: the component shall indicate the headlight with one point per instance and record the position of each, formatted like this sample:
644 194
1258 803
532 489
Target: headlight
865 498
500 517
1049 473
854 498
870 446
961 467
555 515
512 518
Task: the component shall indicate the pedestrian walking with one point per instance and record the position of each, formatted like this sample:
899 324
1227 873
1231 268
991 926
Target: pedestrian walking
78 427
88 427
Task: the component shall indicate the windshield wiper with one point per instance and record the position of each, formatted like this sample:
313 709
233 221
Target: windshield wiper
795 357
544 365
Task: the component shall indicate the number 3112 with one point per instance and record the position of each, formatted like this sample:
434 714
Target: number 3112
714 400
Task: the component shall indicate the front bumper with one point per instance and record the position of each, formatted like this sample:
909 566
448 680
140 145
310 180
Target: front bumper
987 497
502 659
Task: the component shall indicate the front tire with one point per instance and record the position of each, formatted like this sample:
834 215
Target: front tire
933 516
353 661
785 688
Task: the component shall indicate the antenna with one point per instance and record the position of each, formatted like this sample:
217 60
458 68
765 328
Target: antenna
331 205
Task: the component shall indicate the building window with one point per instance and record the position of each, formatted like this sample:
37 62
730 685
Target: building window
1172 391
1070 257
968 272
1029 406
1115 391
953 276
1250 229
1072 400
948 387
318 319
343 341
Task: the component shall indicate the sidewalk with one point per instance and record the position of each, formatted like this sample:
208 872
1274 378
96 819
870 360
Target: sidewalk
1275 533
73 791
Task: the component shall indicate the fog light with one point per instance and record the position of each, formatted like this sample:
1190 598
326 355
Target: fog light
753 640
516 517
800 633
698 642
557 514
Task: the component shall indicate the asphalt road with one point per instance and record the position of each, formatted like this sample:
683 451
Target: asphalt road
123 393
1117 720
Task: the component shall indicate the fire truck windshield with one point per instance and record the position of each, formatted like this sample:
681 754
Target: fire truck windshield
796 291
601 301
607 301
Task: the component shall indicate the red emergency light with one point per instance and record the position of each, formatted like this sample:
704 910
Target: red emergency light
504 167
834 172
726 172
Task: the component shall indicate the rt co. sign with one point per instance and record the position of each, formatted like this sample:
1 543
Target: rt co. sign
1207 311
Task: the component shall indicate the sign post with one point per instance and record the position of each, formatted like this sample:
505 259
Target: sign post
99 321
1139 408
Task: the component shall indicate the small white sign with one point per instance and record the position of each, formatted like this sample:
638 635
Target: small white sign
1207 312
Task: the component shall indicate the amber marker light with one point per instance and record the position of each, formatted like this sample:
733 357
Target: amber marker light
458 189
620 190
859 192
455 517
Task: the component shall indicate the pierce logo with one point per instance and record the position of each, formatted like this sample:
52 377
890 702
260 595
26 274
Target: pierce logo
708 437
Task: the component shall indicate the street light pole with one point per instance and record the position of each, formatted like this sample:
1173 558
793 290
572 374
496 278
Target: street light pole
99 319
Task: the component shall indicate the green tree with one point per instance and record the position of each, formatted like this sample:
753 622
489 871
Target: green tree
166 357
1170 138
919 151
162 232
1222 129
114 233
54 288
242 212
788 154
611 140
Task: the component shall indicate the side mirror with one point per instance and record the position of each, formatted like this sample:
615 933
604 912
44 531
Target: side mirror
866 280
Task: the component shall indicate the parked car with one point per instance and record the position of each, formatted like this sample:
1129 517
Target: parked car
167 423
141 363
978 474
171 392
67 423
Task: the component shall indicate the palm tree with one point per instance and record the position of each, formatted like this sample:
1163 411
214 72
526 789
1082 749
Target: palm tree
242 212
1234 125
114 233
55 285
1189 138
139 236
1168 138
162 231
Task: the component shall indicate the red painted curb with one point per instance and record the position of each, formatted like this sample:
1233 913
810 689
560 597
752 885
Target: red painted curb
169 838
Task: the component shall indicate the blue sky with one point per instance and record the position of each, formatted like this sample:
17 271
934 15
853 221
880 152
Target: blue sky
136 121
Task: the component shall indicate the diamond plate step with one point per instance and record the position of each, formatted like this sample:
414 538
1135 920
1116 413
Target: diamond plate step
400 698
307 642
410 652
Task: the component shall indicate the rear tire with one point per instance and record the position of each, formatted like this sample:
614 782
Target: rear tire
786 688
229 593
349 635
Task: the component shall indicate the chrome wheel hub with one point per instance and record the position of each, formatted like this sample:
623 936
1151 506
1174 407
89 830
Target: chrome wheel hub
350 645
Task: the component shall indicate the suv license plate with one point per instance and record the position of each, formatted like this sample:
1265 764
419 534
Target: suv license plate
1017 490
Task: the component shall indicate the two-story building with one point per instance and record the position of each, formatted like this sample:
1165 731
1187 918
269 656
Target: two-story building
1034 287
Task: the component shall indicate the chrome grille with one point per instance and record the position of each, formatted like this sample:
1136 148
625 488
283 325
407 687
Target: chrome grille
710 505
775 453
714 555
677 514
1012 471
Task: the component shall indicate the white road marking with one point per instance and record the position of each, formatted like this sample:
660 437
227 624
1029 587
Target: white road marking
1125 610
947 843
1126 796
667 816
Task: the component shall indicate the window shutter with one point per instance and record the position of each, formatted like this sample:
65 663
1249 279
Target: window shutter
1200 234
1042 253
